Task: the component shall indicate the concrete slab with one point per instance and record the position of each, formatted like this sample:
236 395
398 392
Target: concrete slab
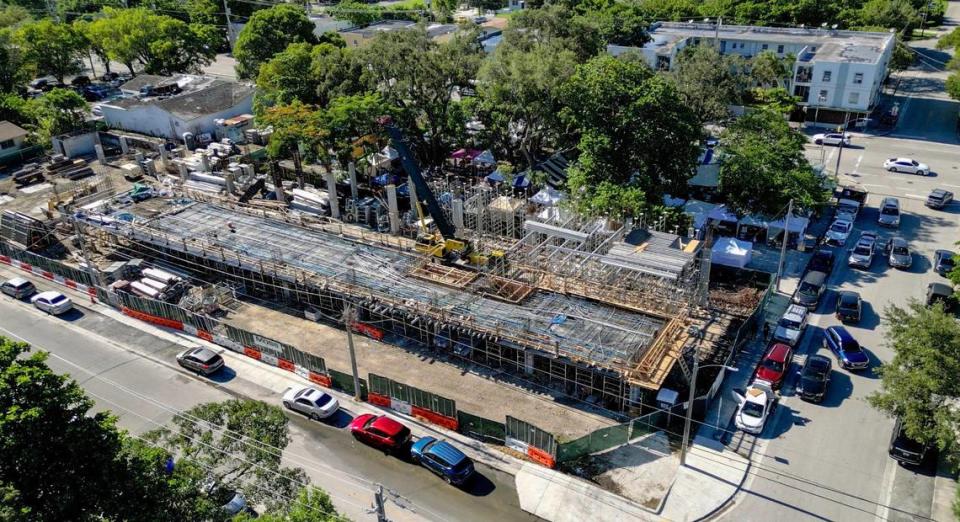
479 391
641 471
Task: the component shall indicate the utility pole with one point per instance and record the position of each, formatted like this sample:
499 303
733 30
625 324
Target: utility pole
691 397
716 33
230 37
378 504
843 135
348 319
783 247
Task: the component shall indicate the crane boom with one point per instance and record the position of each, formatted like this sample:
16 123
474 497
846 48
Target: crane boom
413 171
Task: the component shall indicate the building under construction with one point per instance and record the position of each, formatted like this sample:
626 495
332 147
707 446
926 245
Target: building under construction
597 312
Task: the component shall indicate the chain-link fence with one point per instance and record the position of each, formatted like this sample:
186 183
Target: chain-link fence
529 434
479 428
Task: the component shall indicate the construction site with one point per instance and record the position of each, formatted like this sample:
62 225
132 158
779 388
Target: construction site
596 315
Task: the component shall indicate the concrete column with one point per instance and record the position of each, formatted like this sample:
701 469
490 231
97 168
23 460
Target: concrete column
100 155
636 393
332 193
458 214
205 162
162 150
184 173
528 363
392 207
228 182
354 193
138 157
123 145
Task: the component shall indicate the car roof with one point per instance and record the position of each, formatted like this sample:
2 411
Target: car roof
204 354
842 333
818 361
890 201
795 312
387 425
940 289
898 241
945 253
447 452
902 159
847 296
823 252
17 281
778 352
938 192
815 277
49 294
842 221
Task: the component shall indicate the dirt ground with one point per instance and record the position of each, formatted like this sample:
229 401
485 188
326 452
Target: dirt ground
33 199
477 394
641 471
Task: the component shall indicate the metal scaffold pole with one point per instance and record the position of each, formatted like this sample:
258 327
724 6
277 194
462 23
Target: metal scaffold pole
348 319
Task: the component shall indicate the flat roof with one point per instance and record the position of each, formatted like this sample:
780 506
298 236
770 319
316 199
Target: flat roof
852 46
380 27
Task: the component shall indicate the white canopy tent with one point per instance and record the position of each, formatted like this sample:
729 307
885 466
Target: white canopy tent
548 197
728 251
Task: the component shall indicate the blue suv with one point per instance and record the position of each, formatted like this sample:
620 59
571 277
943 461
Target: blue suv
440 457
845 348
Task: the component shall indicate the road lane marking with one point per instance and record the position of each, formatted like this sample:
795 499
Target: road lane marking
857 165
889 474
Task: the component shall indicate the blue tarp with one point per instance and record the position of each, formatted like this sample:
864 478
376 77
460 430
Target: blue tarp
521 181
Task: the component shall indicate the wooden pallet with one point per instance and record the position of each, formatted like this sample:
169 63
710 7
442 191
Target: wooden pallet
444 275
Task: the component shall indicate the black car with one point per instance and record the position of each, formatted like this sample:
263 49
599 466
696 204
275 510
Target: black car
80 80
814 378
905 450
943 262
848 307
822 261
810 289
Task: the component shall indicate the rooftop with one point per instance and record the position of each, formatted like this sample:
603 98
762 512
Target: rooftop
142 80
380 27
9 131
837 45
201 96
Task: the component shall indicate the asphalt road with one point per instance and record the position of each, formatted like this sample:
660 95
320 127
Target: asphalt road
100 354
829 461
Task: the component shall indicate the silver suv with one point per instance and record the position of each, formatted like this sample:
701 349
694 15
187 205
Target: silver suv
791 325
889 213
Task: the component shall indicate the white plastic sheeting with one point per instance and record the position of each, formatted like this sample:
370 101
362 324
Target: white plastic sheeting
729 251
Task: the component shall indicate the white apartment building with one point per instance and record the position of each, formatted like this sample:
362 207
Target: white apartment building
834 72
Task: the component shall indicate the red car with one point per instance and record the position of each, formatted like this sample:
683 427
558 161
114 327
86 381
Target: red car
773 367
380 431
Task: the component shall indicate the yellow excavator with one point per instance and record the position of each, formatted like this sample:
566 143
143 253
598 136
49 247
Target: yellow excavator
442 244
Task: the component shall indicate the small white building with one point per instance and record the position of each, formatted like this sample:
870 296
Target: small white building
195 110
834 72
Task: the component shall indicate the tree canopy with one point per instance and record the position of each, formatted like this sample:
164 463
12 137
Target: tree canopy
55 48
311 74
710 82
269 32
636 136
919 384
761 150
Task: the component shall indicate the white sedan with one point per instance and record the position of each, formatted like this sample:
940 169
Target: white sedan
907 165
52 302
755 407
310 401
831 138
838 232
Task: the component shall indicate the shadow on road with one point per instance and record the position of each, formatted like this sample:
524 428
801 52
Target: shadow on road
225 375
341 419
479 486
841 388
71 315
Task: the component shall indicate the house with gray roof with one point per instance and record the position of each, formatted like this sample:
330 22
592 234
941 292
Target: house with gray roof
199 102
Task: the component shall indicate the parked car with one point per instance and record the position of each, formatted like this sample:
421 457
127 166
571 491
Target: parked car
380 431
845 348
96 110
940 293
53 303
39 83
847 209
80 80
849 306
773 367
310 401
231 501
889 213
838 232
755 407
898 253
907 165
832 138
790 327
821 261
861 255
811 288
943 262
939 198
442 458
814 378
200 360
18 288
905 450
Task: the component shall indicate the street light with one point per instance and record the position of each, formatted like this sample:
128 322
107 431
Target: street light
693 391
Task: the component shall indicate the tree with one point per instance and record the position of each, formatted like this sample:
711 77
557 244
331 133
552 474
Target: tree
763 151
637 137
55 48
269 32
14 69
240 443
62 461
311 505
57 112
621 23
417 75
312 74
13 15
769 70
519 92
900 14
558 26
919 384
709 82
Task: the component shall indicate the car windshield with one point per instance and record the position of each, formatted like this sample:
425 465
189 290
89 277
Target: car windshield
889 211
848 301
789 324
915 163
839 227
935 196
772 365
815 372
851 346
58 299
862 250
901 251
946 261
323 399
807 288
752 409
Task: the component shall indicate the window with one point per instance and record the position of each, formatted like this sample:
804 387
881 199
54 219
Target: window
827 75
858 78
6 144
779 49
763 47
813 49
696 41
854 98
822 97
